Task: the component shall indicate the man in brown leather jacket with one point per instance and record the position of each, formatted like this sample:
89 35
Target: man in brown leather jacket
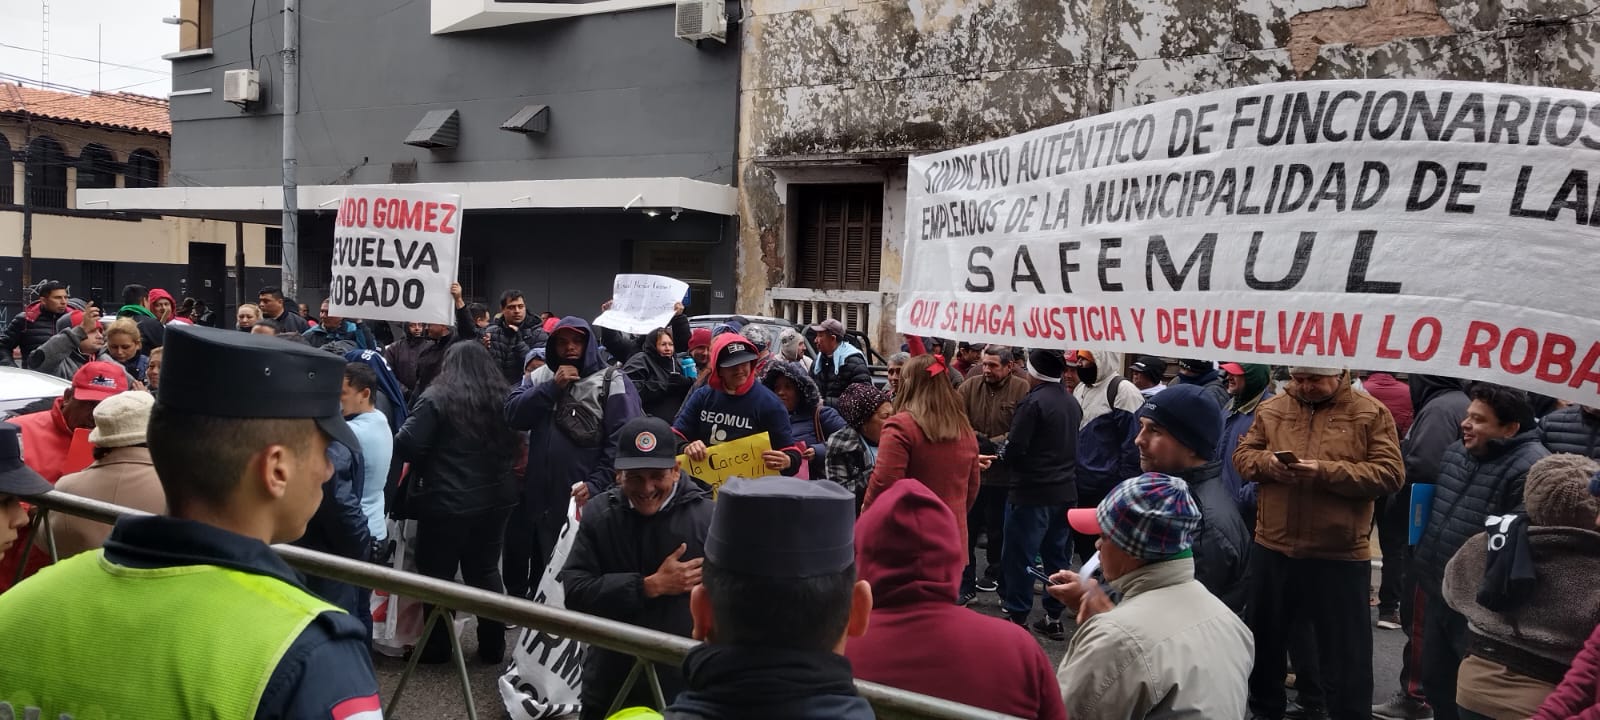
990 396
1322 454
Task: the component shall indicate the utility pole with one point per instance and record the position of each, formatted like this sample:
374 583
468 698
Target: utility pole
291 108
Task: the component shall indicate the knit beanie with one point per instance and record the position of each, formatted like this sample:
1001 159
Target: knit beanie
1046 365
857 403
1556 492
1087 366
1256 378
1188 415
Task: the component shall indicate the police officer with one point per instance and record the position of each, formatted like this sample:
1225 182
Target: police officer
192 614
777 599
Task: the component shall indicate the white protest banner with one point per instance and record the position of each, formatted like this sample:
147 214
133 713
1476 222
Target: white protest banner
546 673
1424 226
394 255
641 303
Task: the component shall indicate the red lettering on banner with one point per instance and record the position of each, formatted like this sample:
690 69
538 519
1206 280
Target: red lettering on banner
429 211
449 215
1342 334
1529 354
1414 346
1588 370
1384 351
1557 354
1479 348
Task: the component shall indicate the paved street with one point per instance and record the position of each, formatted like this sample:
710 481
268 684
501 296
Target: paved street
435 692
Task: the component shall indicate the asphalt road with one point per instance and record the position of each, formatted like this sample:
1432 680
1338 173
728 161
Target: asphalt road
434 691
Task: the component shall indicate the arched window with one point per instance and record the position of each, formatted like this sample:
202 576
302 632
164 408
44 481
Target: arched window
47 173
7 191
96 168
144 169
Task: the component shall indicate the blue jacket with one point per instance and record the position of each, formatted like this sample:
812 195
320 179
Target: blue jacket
809 414
555 462
327 664
1233 430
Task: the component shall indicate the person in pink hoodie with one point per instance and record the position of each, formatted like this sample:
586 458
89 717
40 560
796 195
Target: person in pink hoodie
162 305
908 547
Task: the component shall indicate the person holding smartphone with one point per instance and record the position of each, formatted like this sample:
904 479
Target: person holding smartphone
1311 557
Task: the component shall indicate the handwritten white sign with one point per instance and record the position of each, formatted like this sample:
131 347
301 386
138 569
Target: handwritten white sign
641 303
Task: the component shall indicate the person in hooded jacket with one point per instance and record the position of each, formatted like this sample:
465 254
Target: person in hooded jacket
810 421
1527 589
1440 405
1394 394
733 405
637 556
136 305
1481 476
1205 374
1178 436
658 375
918 640
1573 429
565 458
461 487
1248 386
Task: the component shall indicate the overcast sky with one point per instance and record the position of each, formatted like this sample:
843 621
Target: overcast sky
130 33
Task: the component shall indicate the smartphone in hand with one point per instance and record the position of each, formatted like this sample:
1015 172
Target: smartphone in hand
1286 457
1040 576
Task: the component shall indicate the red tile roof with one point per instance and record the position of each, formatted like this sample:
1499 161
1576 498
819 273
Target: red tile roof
121 110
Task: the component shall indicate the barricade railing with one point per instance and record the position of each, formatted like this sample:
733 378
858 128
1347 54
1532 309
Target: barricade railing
641 643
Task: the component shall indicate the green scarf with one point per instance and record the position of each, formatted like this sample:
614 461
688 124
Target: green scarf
137 310
1256 379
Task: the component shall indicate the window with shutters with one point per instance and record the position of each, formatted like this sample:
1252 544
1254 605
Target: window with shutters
839 242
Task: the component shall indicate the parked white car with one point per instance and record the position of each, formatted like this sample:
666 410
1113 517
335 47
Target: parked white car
20 388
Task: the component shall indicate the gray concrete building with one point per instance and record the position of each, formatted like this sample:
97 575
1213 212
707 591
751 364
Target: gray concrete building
586 139
838 93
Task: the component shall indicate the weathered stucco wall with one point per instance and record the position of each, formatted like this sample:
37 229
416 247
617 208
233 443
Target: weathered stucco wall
830 79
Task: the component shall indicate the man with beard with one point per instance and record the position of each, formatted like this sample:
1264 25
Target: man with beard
636 557
991 399
572 408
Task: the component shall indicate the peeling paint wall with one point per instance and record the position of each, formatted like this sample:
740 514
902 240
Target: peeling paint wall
832 80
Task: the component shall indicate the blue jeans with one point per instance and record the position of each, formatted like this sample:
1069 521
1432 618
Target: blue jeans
1031 528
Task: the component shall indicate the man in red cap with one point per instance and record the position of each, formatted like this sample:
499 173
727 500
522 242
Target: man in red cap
47 439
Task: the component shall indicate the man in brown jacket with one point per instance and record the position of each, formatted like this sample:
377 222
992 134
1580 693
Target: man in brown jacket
991 399
122 472
1322 454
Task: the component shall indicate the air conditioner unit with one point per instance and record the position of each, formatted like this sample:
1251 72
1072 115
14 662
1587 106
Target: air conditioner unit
241 87
702 20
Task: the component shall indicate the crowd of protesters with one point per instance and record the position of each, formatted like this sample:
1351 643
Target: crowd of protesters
1200 539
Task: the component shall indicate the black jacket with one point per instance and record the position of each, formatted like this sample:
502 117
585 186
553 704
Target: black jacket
404 356
451 473
833 380
1042 448
623 346
616 548
29 329
729 682
508 348
1572 430
1469 490
1222 547
339 526
661 383
1441 404
431 358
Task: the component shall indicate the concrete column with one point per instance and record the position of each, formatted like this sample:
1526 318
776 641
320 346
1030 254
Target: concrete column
72 188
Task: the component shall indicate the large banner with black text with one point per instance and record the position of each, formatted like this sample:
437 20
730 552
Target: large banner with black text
1421 226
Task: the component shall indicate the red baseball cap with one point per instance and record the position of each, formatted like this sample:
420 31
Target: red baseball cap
1084 521
1233 368
98 380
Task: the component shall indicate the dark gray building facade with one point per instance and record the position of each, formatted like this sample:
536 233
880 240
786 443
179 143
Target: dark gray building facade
620 158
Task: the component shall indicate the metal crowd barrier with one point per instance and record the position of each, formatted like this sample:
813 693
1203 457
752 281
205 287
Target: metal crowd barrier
643 644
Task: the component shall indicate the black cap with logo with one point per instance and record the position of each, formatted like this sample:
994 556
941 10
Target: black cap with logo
646 443
737 352
16 478
224 373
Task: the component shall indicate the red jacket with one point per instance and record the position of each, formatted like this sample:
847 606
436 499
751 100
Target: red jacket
950 469
45 442
1394 395
1578 695
918 638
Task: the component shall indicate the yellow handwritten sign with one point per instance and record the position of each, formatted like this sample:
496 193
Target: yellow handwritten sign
735 458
